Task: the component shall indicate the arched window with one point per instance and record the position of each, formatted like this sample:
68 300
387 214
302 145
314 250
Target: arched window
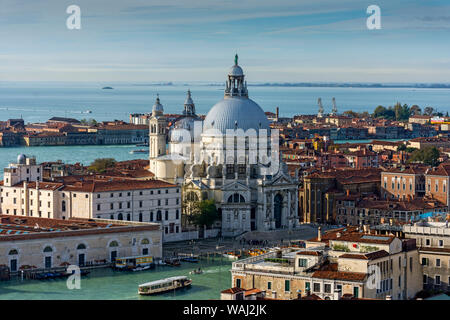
13 252
48 249
113 244
120 216
159 215
236 198
81 246
191 196
112 217
128 217
145 241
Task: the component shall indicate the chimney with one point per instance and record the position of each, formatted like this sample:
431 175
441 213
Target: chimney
348 192
337 294
319 235
278 112
391 222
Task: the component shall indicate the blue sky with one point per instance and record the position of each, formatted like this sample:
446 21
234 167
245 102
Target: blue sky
178 40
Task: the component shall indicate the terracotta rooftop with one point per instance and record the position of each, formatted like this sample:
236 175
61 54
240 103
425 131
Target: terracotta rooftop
233 290
412 169
309 253
339 275
366 256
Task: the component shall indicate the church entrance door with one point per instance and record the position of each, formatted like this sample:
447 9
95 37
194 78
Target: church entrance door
277 208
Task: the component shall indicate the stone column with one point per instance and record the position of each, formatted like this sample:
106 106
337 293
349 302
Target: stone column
272 211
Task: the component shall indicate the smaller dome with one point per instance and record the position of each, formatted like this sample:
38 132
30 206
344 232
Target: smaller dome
157 107
21 159
236 71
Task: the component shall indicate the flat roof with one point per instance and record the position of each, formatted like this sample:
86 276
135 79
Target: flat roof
25 227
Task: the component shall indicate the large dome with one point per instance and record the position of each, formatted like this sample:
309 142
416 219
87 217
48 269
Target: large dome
236 112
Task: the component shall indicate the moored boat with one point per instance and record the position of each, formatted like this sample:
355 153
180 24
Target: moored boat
139 151
137 263
164 285
190 259
231 255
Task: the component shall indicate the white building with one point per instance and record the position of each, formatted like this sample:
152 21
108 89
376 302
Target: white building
237 176
23 193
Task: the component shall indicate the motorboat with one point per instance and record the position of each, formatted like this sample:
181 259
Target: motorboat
164 285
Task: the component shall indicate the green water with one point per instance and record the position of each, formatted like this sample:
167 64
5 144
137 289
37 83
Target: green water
108 284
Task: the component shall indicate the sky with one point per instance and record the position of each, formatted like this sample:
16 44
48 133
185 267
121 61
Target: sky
177 40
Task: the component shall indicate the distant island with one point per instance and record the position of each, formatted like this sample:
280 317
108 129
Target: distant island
312 85
153 84
347 85
356 85
104 88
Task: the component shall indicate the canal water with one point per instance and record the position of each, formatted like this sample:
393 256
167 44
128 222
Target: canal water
107 284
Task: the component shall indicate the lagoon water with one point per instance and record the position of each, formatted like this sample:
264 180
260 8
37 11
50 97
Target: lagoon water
106 284
41 101
37 102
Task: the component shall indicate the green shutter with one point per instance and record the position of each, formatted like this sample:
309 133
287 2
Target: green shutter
287 285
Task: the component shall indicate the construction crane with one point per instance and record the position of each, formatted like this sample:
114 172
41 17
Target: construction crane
320 113
334 110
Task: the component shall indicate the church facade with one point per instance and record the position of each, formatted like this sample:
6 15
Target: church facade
231 157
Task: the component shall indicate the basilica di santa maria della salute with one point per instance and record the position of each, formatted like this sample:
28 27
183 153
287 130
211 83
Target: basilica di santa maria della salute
242 174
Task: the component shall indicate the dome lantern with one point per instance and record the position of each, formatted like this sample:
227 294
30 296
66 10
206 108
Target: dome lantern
236 86
157 107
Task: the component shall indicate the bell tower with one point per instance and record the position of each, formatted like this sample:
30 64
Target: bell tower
157 131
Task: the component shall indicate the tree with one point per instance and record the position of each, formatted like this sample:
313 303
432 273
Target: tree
401 147
428 155
102 164
385 113
401 112
379 112
90 122
415 110
351 114
204 213
428 111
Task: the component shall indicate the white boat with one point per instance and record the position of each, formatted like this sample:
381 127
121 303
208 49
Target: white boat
164 285
196 271
161 263
138 151
139 268
231 255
